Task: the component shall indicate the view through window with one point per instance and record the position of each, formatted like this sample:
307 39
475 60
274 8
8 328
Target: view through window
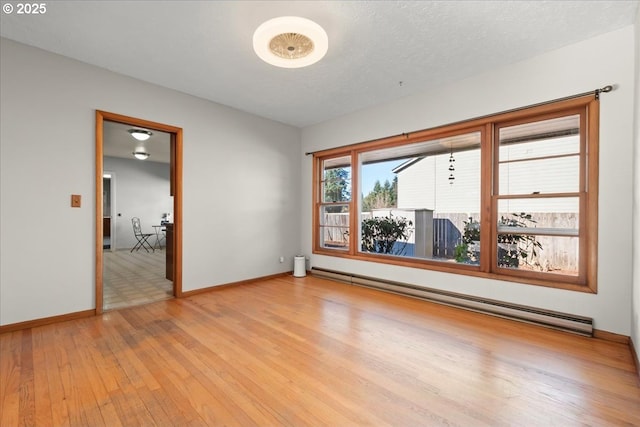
422 198
510 196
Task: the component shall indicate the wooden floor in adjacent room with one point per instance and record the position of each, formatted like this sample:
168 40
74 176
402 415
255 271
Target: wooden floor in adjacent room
309 352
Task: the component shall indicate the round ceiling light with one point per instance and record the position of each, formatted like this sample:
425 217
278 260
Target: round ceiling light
290 42
141 154
140 134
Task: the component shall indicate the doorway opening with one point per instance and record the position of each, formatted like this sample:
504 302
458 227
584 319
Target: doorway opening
109 242
152 194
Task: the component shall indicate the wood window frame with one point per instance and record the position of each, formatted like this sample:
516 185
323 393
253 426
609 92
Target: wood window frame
586 281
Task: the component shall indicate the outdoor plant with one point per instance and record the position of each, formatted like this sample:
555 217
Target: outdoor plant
515 247
380 234
512 248
461 253
470 236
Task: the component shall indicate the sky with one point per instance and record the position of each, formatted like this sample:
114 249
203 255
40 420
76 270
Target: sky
377 172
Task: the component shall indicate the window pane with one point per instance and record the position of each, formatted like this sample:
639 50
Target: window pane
334 226
546 254
540 157
336 179
417 199
557 215
541 176
540 138
529 249
512 151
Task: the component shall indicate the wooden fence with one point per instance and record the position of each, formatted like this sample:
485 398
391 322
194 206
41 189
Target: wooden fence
557 254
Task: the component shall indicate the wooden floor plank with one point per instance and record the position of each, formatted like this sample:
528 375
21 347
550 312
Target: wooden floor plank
27 406
305 352
165 371
11 348
59 408
42 396
82 378
64 348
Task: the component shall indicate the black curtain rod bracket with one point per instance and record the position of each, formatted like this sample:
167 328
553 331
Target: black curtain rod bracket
606 89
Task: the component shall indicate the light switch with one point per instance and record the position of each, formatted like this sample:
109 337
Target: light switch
76 200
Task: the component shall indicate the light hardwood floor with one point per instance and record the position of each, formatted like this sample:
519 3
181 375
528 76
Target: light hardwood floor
308 352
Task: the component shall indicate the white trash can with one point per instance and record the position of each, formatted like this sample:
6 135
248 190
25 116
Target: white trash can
299 266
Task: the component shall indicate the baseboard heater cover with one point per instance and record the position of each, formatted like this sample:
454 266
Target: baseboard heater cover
551 319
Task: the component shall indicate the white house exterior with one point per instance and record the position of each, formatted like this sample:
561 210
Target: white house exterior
424 184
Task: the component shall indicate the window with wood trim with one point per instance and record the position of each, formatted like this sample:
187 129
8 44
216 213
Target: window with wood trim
511 196
335 204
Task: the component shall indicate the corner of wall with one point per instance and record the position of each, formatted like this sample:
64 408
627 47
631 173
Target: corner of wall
635 300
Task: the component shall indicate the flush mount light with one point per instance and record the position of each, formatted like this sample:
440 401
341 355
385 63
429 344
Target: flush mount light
141 154
290 42
140 134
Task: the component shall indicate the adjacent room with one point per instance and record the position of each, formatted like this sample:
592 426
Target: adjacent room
137 213
320 213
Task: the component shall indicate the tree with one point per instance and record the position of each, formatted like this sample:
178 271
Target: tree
381 196
394 192
336 188
336 185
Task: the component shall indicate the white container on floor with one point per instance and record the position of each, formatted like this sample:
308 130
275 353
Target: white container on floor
299 266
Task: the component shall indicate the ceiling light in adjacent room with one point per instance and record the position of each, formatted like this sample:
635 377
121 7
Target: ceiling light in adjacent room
141 154
290 42
140 134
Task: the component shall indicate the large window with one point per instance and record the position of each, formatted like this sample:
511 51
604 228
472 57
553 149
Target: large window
513 196
430 189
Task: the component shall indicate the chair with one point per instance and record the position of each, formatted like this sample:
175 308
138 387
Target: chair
143 238
161 235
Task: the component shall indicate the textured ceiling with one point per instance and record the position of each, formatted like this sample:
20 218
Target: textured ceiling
204 48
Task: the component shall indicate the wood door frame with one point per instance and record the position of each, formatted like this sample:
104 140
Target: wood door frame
176 180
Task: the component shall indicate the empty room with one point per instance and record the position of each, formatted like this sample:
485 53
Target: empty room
303 213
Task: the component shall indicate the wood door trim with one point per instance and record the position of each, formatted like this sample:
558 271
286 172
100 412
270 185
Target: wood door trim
176 177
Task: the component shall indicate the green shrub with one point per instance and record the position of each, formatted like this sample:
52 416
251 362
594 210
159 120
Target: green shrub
379 234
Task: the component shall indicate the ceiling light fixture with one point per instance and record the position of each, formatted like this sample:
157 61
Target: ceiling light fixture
290 42
140 134
141 154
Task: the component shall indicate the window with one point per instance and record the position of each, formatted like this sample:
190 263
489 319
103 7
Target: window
430 189
539 195
335 203
511 196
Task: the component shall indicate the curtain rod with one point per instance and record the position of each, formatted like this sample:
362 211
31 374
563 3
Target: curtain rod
596 93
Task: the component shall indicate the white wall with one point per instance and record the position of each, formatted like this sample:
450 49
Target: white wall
47 148
584 66
635 312
142 189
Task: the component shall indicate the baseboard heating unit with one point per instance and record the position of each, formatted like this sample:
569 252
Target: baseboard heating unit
551 319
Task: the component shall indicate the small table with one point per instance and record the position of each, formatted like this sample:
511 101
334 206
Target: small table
160 235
